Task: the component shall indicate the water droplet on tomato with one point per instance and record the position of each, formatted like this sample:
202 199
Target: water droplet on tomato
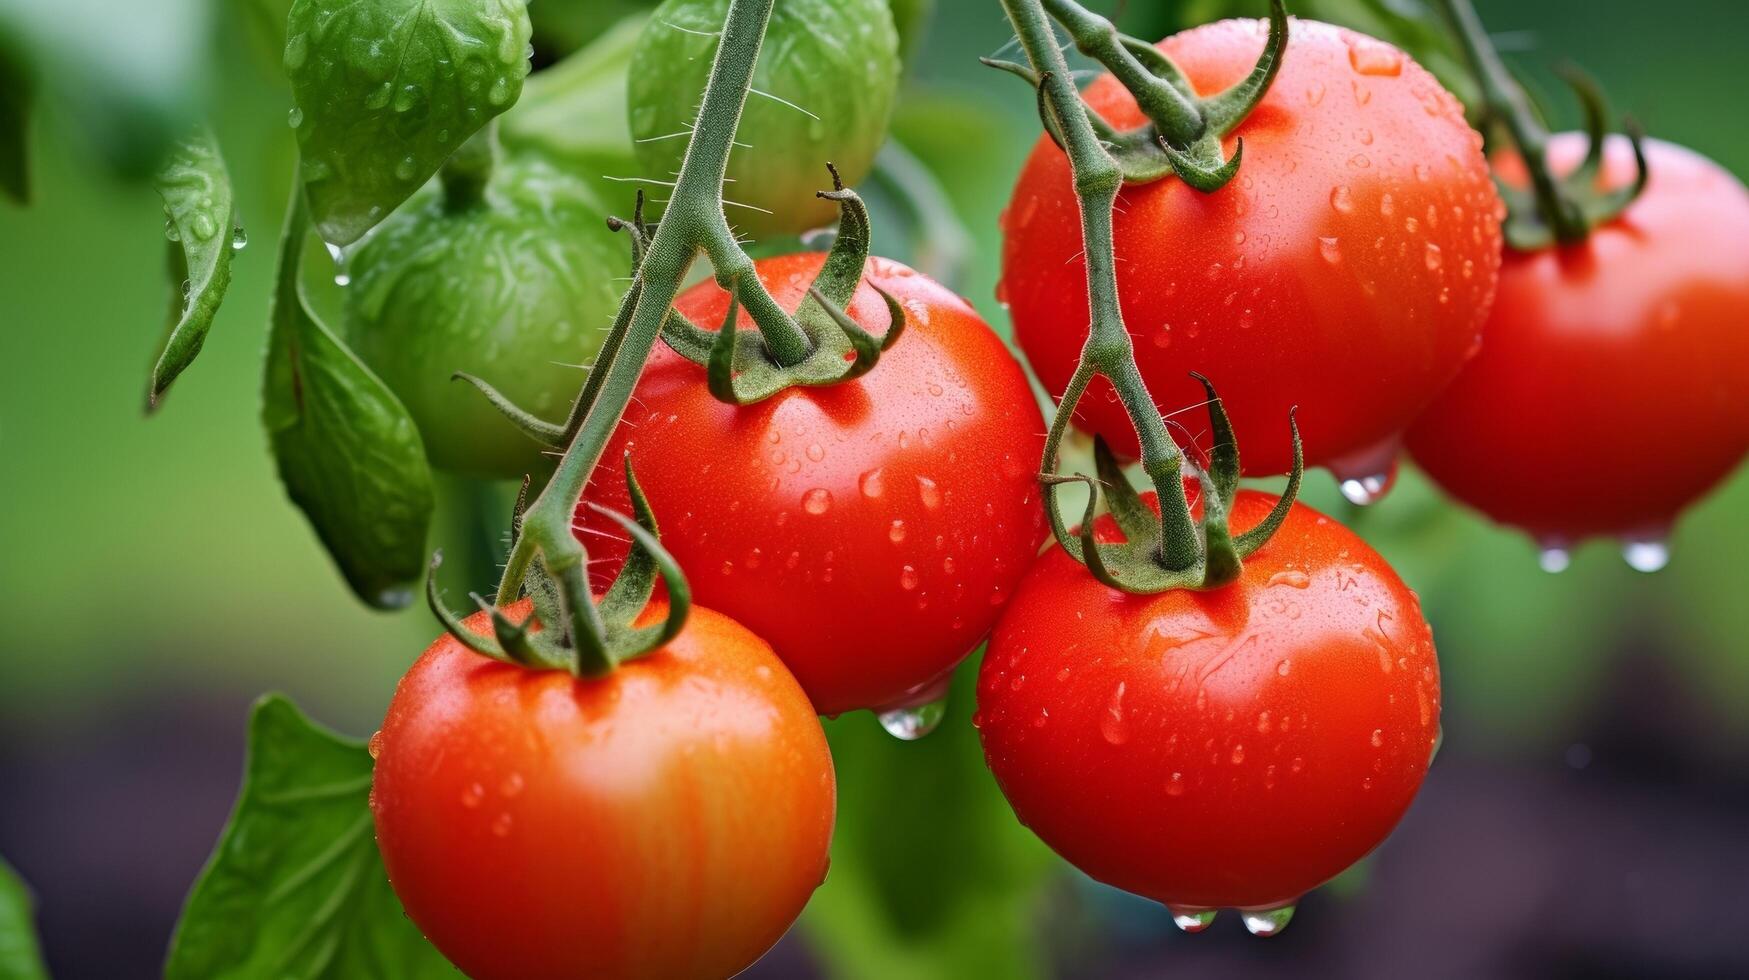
816 452
1370 57
472 796
1330 249
1378 738
910 723
1267 922
501 825
1175 785
896 531
1342 199
872 484
1432 256
928 492
1554 557
375 745
1646 554
1112 724
1365 477
908 578
1191 920
1292 578
1363 491
817 501
511 786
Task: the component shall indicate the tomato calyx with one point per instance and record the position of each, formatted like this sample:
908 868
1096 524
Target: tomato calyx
743 370
1184 131
1554 210
592 639
1157 554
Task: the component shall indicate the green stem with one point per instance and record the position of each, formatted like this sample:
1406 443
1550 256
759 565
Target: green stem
1109 350
467 170
1180 120
693 221
1506 101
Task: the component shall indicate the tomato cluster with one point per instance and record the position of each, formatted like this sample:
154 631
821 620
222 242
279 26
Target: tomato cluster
850 541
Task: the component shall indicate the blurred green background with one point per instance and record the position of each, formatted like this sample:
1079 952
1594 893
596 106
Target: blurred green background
1584 817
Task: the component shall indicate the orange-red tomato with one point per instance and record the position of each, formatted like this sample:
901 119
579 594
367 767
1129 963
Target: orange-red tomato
1346 269
871 530
1612 390
668 820
1235 747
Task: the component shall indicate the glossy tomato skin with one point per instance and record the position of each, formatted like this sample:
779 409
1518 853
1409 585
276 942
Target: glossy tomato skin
1229 748
872 530
1346 269
1612 390
669 820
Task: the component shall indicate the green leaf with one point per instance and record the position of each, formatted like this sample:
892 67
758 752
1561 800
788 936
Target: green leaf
932 877
201 223
17 88
386 90
296 889
20 958
349 453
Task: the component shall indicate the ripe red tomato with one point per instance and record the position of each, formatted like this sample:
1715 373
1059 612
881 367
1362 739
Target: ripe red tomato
1235 747
668 820
872 530
1612 391
1346 269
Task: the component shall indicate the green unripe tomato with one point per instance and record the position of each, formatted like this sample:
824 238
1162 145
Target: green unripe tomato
837 60
517 287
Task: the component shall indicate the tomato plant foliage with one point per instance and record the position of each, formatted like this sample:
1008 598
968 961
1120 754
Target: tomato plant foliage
348 452
386 90
201 223
296 888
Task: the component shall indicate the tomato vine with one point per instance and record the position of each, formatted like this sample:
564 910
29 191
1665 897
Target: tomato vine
1175 550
